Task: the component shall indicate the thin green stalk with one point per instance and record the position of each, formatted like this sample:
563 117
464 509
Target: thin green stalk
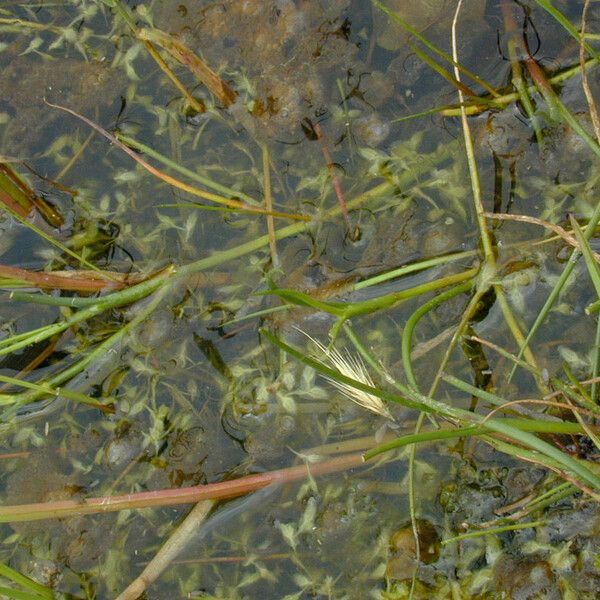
518 334
593 307
574 123
587 402
256 314
260 242
41 298
458 333
548 498
508 355
53 242
268 197
588 255
579 399
486 239
479 210
413 268
209 183
521 452
476 105
31 335
425 436
7 592
596 364
44 389
364 353
518 80
492 531
473 391
347 310
102 352
441 71
412 321
197 205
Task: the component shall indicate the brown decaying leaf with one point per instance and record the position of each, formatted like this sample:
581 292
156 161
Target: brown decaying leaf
195 64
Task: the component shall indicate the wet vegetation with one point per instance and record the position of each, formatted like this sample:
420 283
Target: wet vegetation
299 299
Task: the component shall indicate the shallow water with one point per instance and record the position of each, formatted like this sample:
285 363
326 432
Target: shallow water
201 396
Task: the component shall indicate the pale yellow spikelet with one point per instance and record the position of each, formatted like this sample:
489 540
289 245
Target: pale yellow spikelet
351 365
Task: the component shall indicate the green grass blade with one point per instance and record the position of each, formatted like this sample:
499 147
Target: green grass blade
413 268
416 317
40 591
46 299
425 436
492 531
43 389
209 183
54 242
114 300
346 310
552 10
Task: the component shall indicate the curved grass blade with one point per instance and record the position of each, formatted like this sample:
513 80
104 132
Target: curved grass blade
346 310
46 389
231 203
416 317
396 17
114 300
492 531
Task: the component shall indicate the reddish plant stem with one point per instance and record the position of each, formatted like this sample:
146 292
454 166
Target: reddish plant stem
10 455
334 178
171 497
90 282
537 75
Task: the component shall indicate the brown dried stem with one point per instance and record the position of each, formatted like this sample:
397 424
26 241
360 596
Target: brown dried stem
269 204
196 65
74 281
562 233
